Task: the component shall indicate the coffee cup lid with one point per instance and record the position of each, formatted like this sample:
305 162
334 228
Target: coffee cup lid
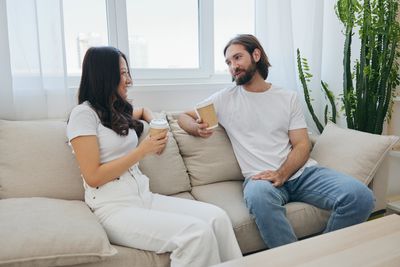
159 123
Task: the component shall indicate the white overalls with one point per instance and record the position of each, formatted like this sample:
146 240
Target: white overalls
196 233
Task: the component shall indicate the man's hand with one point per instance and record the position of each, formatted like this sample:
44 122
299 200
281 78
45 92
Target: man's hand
202 129
275 177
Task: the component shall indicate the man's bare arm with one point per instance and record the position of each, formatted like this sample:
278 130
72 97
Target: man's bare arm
189 122
295 160
299 154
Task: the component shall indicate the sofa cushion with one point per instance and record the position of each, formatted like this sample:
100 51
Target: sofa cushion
167 172
36 161
186 195
355 153
130 257
50 232
305 219
208 160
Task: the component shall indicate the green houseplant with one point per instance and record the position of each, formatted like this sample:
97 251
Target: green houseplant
368 89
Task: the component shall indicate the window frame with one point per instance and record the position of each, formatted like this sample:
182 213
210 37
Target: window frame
117 24
118 37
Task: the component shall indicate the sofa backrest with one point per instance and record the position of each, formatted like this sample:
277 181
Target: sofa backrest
36 161
208 160
167 172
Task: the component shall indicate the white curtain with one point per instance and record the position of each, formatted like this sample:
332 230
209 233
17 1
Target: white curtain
38 65
312 27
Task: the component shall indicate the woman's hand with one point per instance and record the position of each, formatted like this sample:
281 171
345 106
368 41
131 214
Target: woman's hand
154 144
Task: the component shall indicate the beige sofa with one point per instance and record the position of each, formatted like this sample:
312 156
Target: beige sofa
44 221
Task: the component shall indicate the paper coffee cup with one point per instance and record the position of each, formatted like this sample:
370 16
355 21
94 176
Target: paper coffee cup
157 126
206 112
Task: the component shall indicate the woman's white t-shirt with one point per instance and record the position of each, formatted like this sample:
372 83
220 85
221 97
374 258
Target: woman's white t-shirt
85 121
132 187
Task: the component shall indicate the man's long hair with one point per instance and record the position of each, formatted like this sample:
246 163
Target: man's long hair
99 86
250 43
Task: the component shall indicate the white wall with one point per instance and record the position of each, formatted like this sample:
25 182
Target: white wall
178 97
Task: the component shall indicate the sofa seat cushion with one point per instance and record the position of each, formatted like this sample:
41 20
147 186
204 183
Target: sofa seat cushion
50 232
185 195
129 257
36 161
355 153
305 219
167 172
207 160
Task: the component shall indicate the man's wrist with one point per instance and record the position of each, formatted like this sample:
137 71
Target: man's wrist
283 174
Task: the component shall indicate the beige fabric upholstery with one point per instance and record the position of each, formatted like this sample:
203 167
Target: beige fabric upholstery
186 195
352 152
207 160
128 257
167 172
50 232
305 219
36 161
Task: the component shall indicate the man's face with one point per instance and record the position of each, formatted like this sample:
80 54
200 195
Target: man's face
241 64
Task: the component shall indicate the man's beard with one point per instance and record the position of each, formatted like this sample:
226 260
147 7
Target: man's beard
248 75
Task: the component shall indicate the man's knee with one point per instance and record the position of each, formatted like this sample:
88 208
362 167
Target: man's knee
260 191
360 197
365 199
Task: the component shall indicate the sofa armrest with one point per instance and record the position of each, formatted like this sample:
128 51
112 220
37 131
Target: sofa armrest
379 184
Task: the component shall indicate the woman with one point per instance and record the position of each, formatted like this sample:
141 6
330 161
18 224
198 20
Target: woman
103 131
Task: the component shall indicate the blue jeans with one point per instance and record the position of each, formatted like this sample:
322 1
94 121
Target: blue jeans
350 201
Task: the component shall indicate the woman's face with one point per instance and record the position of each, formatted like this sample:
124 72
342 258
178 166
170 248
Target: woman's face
125 80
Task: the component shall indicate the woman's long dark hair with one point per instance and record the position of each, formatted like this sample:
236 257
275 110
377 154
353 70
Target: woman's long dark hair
250 42
99 86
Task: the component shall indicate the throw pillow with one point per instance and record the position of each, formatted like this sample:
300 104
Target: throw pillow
50 232
167 172
355 153
208 160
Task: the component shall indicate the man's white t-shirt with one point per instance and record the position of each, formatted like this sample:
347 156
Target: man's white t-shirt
258 124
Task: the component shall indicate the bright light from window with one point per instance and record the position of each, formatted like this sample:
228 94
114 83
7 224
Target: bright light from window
163 34
231 17
85 24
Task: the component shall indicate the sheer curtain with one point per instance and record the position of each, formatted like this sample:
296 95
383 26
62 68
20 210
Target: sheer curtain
38 65
312 27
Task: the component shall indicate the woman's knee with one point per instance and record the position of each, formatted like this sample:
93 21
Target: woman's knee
202 232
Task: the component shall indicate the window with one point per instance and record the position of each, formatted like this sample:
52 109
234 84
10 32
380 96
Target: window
84 27
166 39
231 17
163 40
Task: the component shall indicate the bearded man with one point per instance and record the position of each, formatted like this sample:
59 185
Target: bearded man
269 136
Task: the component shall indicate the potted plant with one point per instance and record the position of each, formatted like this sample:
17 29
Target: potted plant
369 89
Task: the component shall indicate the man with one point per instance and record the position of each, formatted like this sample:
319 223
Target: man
269 137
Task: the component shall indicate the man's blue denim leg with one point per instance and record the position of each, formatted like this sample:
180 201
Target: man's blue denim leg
350 201
266 202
